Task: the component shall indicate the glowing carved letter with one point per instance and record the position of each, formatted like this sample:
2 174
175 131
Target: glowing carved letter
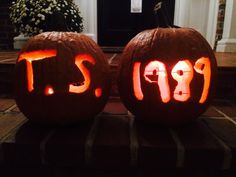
136 81
98 92
203 66
183 74
79 59
33 56
155 72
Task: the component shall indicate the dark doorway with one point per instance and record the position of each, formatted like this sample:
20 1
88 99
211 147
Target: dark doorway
117 25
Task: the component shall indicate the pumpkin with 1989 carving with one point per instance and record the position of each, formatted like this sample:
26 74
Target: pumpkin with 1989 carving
167 75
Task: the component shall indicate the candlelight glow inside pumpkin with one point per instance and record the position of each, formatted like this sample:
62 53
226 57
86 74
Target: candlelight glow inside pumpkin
48 90
61 78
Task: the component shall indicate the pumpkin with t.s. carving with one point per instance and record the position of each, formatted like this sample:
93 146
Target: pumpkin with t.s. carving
61 78
167 75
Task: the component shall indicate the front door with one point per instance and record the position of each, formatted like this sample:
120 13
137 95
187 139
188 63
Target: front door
117 24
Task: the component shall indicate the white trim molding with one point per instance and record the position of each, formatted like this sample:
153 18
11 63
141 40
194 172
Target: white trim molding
228 41
88 9
212 22
200 15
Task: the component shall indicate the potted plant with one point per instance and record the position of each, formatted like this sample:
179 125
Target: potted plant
32 17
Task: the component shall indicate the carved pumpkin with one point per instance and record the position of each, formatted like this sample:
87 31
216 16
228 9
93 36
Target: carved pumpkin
167 75
61 78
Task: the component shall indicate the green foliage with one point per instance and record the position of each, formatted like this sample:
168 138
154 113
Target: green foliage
32 17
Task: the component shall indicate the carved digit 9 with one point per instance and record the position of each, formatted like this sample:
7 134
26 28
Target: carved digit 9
183 74
203 66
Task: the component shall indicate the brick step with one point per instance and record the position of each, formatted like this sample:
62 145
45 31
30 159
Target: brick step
115 141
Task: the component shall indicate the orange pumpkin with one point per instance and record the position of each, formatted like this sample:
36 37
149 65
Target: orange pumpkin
61 78
167 75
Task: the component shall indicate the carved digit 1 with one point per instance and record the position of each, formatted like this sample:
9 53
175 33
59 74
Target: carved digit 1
136 81
203 66
183 74
155 72
79 59
32 56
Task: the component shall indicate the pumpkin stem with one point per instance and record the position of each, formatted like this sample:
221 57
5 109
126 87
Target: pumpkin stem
162 16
